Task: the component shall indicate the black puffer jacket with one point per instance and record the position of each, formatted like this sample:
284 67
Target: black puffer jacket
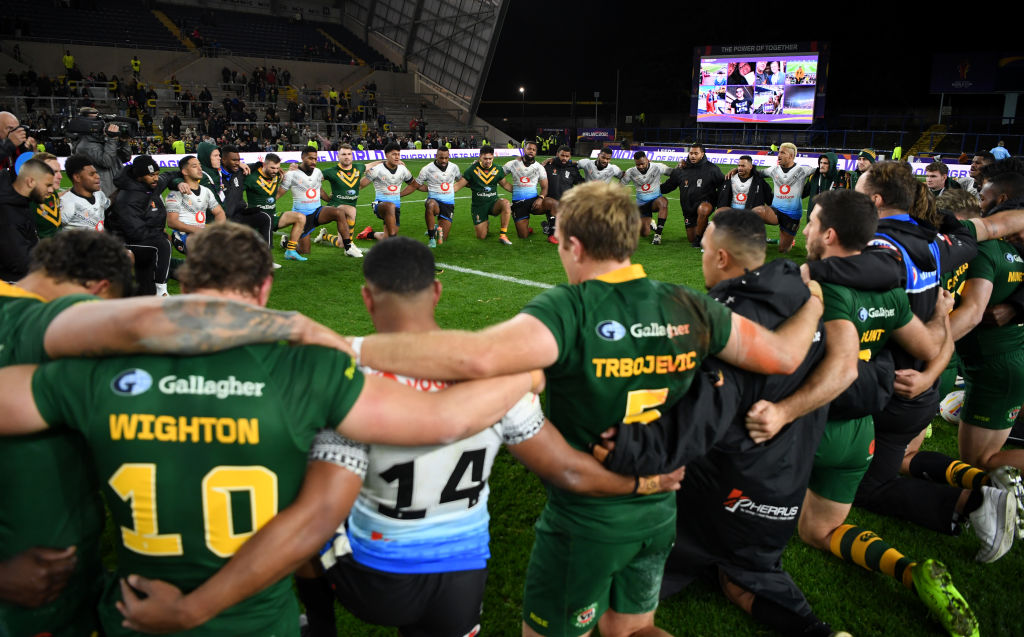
697 183
137 213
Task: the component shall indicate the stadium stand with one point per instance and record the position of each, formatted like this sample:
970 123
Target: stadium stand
109 24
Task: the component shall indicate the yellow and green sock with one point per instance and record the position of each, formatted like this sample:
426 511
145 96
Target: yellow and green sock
864 548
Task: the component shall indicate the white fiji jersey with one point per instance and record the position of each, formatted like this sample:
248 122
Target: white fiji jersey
191 208
305 188
525 179
388 185
789 187
79 212
740 190
428 505
439 182
648 184
593 173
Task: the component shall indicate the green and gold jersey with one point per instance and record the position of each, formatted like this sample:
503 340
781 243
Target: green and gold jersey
484 183
1001 264
47 216
50 496
344 184
627 347
195 454
261 191
874 314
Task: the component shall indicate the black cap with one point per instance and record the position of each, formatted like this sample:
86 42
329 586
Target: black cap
144 165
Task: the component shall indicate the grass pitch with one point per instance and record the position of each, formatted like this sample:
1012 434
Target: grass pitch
326 288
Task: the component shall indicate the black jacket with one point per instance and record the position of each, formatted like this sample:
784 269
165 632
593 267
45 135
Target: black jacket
231 196
697 183
561 177
136 213
760 193
708 415
17 230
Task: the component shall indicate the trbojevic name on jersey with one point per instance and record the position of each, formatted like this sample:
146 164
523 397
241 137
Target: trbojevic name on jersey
440 183
525 179
424 509
305 189
789 188
387 184
648 185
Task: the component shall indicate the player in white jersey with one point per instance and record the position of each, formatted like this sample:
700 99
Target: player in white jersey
85 205
187 213
647 178
600 169
786 209
439 180
387 179
526 175
305 181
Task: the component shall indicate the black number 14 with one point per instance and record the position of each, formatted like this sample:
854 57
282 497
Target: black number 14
473 460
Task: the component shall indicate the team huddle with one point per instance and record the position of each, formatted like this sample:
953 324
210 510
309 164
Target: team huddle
237 446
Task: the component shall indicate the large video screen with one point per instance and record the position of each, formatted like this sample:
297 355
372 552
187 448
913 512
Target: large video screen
757 88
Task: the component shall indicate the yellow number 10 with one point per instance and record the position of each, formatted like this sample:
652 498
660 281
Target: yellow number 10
136 482
641 405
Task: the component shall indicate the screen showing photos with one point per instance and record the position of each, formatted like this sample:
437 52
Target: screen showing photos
757 89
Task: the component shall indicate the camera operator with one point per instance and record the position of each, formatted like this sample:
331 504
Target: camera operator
100 144
14 140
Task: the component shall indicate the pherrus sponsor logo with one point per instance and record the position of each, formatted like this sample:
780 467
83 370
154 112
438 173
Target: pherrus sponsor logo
736 502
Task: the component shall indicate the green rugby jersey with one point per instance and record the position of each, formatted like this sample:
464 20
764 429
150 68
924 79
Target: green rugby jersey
47 216
261 191
627 346
344 184
197 453
48 494
483 183
874 314
1001 264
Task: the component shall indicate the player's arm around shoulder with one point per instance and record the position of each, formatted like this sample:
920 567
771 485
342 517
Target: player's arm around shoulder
17 402
331 485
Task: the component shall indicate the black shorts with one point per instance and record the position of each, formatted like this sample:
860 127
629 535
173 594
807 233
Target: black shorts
787 224
312 221
523 208
647 209
444 210
419 604
398 212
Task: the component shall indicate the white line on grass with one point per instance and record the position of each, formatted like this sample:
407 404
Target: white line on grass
491 275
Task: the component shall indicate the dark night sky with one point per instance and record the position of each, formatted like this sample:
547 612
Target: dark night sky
880 63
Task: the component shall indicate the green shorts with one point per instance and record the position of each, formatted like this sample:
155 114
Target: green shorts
994 391
481 211
344 201
842 459
571 581
274 219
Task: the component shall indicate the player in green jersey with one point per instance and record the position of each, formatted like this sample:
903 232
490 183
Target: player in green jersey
992 355
346 181
483 179
48 212
43 316
179 436
840 225
400 294
617 345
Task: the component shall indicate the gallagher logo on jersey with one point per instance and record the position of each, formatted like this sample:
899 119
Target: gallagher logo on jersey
862 314
611 330
131 382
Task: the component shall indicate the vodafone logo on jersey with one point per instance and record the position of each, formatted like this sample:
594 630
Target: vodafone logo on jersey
524 180
311 193
784 189
646 187
446 187
392 188
741 197
99 226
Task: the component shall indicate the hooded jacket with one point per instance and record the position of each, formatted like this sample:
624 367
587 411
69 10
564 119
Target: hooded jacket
17 230
226 187
818 183
137 214
211 179
697 183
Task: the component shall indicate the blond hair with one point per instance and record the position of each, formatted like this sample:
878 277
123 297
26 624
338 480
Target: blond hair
789 145
603 217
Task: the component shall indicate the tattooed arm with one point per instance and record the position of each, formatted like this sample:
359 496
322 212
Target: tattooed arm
185 324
